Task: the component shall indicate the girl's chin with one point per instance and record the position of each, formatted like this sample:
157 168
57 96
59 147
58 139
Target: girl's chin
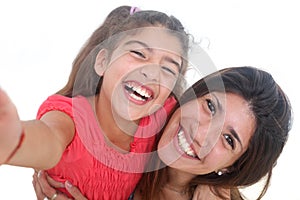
128 115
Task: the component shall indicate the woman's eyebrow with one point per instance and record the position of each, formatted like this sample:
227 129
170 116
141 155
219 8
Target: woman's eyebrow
219 105
230 128
235 135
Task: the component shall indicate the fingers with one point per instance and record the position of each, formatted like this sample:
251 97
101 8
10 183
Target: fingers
74 191
44 185
54 183
37 188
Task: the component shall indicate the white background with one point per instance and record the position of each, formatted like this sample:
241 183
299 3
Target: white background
40 39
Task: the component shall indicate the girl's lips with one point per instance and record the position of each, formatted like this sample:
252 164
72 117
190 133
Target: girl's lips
137 93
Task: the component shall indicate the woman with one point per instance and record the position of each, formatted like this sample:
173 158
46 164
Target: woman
232 139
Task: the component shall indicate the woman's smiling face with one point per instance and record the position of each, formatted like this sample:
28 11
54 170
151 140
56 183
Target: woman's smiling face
207 134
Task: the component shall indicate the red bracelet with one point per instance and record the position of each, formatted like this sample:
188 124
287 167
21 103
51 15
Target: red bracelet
17 147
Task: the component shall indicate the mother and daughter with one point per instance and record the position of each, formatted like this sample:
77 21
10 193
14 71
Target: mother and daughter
101 131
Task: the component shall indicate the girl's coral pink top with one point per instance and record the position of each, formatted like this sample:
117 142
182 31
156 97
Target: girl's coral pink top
90 162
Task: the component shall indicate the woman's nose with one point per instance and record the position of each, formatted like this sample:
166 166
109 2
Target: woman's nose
207 137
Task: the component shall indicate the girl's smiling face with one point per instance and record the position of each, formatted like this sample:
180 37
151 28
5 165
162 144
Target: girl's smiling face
141 72
207 134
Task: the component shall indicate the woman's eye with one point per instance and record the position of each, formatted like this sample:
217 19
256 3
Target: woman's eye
229 140
211 106
169 70
138 53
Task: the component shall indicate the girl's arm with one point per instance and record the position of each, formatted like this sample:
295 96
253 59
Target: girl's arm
44 140
10 127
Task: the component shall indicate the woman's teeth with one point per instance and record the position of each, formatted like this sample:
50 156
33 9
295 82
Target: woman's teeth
184 145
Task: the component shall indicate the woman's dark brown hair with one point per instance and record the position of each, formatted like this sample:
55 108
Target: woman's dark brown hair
273 115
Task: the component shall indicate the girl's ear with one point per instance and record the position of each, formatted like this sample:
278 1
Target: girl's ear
101 62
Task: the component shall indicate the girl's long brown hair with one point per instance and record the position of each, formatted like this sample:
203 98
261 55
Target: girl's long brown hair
83 79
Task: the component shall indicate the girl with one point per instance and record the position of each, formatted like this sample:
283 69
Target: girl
196 150
96 129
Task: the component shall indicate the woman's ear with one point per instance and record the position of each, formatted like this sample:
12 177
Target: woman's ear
220 172
101 62
228 169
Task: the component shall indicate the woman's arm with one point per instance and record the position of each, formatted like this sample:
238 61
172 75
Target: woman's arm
44 140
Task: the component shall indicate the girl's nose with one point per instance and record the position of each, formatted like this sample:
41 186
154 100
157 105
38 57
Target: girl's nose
151 72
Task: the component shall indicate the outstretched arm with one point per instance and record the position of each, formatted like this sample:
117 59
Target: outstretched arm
44 140
10 127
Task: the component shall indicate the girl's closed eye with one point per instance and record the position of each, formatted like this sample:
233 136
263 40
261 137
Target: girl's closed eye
137 54
169 70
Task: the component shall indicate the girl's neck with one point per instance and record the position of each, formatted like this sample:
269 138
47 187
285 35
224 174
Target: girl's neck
117 130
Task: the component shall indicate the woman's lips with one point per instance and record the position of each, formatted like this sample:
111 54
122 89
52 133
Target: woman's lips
184 146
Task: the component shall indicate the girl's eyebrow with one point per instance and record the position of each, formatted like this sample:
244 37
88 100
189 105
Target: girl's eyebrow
151 50
140 43
174 62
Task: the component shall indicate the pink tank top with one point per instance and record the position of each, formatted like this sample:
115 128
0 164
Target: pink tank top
97 169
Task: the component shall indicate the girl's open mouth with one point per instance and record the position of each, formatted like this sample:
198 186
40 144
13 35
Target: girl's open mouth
138 93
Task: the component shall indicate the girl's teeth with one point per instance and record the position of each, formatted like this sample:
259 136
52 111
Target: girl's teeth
136 97
184 144
139 90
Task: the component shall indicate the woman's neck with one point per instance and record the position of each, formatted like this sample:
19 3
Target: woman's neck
177 178
177 185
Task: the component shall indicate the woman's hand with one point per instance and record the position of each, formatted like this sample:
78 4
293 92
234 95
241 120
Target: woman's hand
45 187
10 127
